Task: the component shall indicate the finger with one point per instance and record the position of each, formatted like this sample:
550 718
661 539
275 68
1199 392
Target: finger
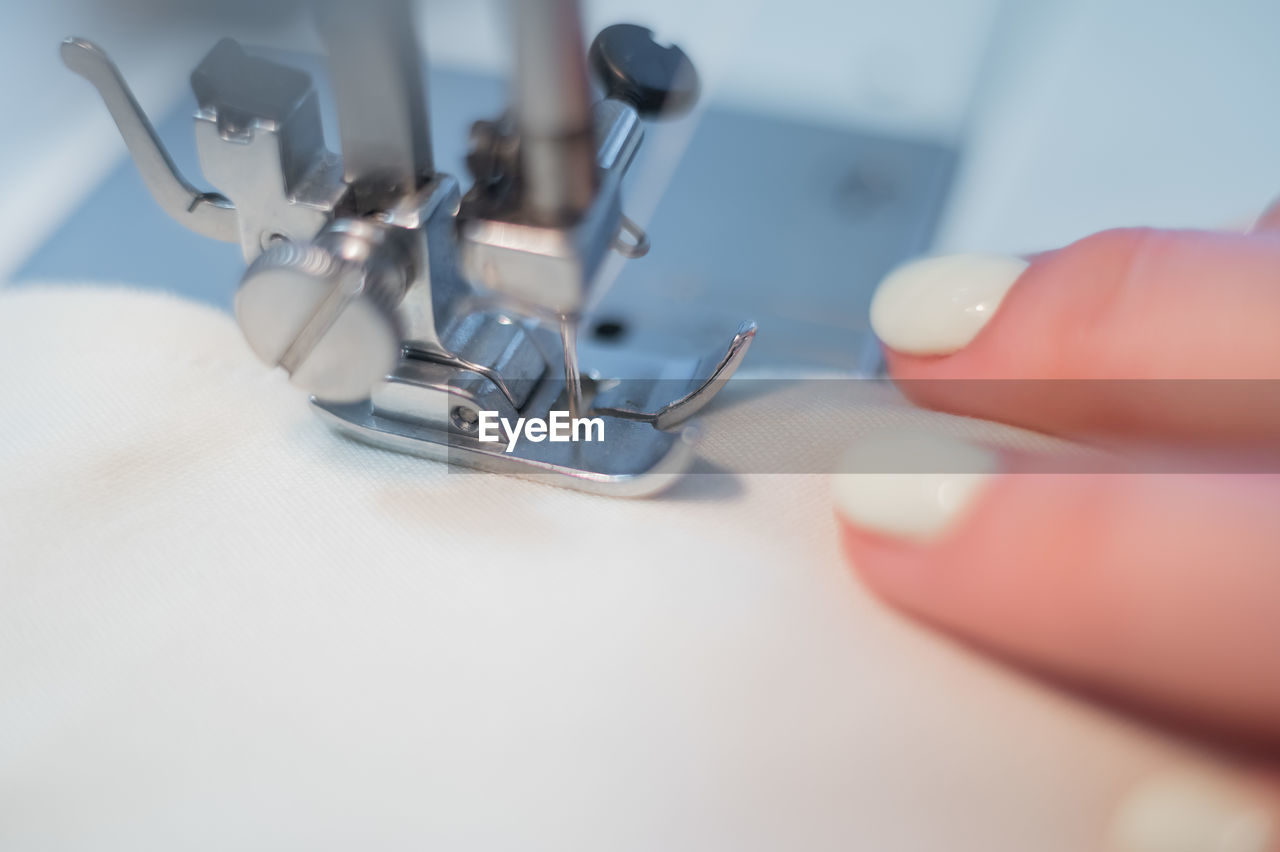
1128 331
1161 591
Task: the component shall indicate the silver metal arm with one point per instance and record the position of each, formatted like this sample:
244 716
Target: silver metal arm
378 82
552 104
206 213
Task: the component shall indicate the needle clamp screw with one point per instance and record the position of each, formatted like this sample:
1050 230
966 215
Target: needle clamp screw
659 81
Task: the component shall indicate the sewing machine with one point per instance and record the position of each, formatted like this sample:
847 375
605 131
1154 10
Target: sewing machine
281 640
406 308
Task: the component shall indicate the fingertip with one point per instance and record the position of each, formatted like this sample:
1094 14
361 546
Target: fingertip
1126 332
910 486
1038 312
938 305
899 498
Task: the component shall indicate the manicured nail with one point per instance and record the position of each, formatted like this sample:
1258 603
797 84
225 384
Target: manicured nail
910 485
937 305
1192 813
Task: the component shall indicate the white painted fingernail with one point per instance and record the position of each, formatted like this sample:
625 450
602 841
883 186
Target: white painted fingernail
1193 813
910 485
937 305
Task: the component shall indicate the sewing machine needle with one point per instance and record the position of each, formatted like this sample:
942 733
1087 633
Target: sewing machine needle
572 378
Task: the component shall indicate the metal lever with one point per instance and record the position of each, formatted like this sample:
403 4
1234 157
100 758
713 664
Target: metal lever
647 400
207 213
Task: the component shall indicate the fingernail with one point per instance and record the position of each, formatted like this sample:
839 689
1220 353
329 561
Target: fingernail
937 305
1192 813
910 485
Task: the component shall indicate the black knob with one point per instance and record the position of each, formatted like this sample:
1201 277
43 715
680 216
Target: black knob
658 81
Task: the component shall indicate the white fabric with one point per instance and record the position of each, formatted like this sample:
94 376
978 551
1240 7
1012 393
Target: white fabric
224 627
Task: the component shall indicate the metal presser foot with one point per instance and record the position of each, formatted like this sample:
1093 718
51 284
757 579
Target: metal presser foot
418 318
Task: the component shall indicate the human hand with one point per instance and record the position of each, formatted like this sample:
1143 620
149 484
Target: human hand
1157 591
